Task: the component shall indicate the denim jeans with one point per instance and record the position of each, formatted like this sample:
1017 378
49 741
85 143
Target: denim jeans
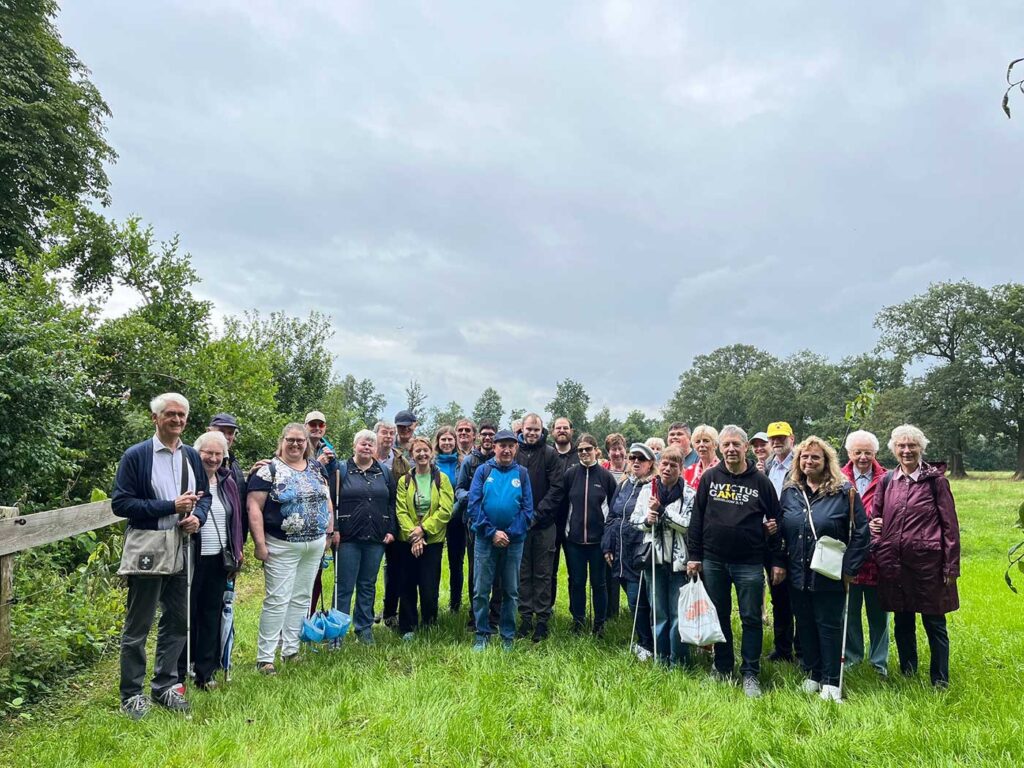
819 623
489 562
904 629
878 628
358 564
666 586
719 579
578 559
640 609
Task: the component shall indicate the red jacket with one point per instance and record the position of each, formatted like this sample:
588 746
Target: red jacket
867 576
918 551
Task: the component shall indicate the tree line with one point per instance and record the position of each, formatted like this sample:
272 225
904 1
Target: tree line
74 385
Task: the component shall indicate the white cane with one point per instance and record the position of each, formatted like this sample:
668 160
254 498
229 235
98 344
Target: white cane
842 652
654 600
188 606
636 611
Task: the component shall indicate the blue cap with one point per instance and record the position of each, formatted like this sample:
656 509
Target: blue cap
223 420
505 435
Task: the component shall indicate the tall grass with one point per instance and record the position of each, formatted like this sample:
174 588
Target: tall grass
570 701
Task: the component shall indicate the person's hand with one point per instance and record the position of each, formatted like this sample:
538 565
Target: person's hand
258 465
417 533
417 548
652 517
335 540
325 457
771 527
189 524
693 567
185 503
653 504
875 525
778 575
609 558
760 465
500 539
388 538
262 553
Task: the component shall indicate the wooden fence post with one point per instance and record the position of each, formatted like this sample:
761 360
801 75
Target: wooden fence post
6 593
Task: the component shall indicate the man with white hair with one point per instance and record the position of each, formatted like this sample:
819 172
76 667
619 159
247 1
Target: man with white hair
160 485
866 473
728 542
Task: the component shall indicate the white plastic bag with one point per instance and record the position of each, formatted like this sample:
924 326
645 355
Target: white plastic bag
698 619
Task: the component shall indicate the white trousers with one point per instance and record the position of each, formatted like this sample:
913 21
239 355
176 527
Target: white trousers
288 576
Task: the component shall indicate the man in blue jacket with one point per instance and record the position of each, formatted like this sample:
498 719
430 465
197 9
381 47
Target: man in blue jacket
160 484
500 508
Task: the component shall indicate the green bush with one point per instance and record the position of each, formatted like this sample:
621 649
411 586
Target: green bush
69 610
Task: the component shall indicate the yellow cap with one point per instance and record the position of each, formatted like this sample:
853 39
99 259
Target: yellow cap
780 429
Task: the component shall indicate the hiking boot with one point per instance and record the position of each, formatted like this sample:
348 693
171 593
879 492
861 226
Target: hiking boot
480 644
391 622
365 637
599 631
578 628
751 687
831 693
172 700
408 637
780 656
136 707
810 686
541 632
508 643
525 629
642 654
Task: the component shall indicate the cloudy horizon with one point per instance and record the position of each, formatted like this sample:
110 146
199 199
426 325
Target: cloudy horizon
511 196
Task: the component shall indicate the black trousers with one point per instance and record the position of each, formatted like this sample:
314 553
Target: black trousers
209 580
612 585
456 539
783 620
819 624
392 577
144 594
421 582
904 630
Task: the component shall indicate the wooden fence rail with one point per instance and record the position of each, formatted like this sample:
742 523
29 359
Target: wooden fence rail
20 533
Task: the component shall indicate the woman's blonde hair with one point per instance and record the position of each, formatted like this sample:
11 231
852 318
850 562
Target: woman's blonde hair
834 478
705 429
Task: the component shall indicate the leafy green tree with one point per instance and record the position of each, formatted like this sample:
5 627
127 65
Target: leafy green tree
603 424
44 357
51 121
363 398
1002 344
712 390
572 401
301 362
942 324
343 420
441 417
514 415
415 399
638 427
488 407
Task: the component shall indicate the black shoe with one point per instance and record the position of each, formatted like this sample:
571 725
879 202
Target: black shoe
599 631
525 629
541 632
578 628
471 624
777 655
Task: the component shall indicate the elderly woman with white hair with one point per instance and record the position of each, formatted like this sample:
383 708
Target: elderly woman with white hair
219 558
866 473
366 524
705 442
290 517
917 550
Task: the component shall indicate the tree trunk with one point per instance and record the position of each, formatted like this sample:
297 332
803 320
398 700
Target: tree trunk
956 465
1019 473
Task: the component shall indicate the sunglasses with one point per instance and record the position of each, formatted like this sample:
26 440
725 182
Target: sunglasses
585 449
317 424
638 458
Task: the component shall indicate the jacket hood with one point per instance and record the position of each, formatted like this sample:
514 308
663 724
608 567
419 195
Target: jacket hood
494 463
721 467
929 470
543 440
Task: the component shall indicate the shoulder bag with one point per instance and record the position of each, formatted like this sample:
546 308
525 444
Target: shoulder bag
828 551
155 553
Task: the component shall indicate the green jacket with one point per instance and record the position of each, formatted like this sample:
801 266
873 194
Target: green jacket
435 522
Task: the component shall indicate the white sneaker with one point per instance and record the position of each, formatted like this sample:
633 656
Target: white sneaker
811 686
831 693
642 654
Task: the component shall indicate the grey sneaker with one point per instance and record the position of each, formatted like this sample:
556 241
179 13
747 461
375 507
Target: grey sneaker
172 700
135 707
751 687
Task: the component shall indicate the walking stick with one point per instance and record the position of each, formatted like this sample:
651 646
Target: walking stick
654 603
188 606
842 652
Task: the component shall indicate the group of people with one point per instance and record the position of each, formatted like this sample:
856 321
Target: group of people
640 519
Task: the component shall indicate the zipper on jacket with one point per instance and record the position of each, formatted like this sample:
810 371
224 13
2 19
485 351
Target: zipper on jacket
586 503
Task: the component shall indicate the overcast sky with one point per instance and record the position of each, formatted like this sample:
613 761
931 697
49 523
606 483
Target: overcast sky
510 194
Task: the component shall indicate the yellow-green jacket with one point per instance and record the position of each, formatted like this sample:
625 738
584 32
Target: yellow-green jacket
435 522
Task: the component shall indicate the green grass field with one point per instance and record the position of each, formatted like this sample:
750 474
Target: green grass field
570 702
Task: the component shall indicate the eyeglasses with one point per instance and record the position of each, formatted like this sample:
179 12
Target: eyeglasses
488 434
585 449
295 440
638 458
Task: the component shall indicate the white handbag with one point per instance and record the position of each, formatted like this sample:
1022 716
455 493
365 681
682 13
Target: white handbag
828 551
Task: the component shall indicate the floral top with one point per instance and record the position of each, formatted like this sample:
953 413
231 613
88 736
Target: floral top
296 507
